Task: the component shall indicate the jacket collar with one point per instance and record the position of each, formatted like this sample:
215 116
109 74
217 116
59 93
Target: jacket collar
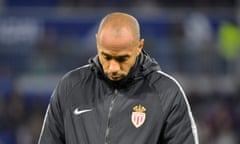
144 65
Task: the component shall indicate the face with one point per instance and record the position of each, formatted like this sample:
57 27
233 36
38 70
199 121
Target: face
117 53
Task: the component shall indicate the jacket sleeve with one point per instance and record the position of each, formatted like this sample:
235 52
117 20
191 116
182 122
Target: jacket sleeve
180 127
53 127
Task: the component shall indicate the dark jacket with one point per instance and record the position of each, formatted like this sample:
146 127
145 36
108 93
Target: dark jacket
146 107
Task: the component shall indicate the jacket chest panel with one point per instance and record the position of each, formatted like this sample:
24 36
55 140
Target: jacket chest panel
109 115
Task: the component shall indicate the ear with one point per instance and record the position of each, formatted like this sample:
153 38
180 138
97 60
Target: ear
140 46
96 40
96 37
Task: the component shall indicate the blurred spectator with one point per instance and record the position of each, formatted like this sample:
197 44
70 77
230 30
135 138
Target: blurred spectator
15 110
229 44
177 36
198 42
205 133
43 60
30 131
223 124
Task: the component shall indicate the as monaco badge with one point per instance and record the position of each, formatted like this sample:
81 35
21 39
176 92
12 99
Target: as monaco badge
138 115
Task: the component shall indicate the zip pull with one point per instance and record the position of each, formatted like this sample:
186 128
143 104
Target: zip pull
115 91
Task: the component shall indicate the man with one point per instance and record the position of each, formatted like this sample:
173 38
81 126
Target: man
121 97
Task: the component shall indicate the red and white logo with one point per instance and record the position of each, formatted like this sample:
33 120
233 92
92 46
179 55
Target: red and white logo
138 116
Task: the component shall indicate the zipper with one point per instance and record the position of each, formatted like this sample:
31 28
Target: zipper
109 116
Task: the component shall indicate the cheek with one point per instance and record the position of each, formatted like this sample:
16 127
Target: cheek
132 61
126 68
128 65
104 64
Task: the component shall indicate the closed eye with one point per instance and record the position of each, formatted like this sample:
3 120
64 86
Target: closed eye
107 57
121 59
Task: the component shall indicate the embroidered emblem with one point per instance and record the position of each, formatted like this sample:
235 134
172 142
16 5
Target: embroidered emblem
138 115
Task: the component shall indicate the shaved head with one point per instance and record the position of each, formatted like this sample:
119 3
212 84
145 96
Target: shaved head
118 44
118 21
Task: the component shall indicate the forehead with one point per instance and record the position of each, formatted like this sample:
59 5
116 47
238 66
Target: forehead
116 41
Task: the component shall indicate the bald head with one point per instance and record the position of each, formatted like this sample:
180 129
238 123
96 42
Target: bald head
118 44
117 22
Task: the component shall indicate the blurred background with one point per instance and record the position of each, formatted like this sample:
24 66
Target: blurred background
196 41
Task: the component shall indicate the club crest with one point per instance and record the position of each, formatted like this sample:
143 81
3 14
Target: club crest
138 115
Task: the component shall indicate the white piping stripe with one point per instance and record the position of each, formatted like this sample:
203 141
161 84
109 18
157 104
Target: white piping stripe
193 124
45 118
81 67
84 66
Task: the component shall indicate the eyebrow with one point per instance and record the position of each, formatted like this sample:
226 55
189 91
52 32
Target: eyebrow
116 57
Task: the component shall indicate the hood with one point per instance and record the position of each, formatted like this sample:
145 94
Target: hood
144 65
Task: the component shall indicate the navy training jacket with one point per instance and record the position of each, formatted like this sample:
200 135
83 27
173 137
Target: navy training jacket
146 107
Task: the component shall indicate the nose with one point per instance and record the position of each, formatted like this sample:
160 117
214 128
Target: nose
113 66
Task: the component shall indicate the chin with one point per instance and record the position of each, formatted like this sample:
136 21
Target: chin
115 79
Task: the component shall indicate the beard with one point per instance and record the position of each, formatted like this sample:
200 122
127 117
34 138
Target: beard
115 76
